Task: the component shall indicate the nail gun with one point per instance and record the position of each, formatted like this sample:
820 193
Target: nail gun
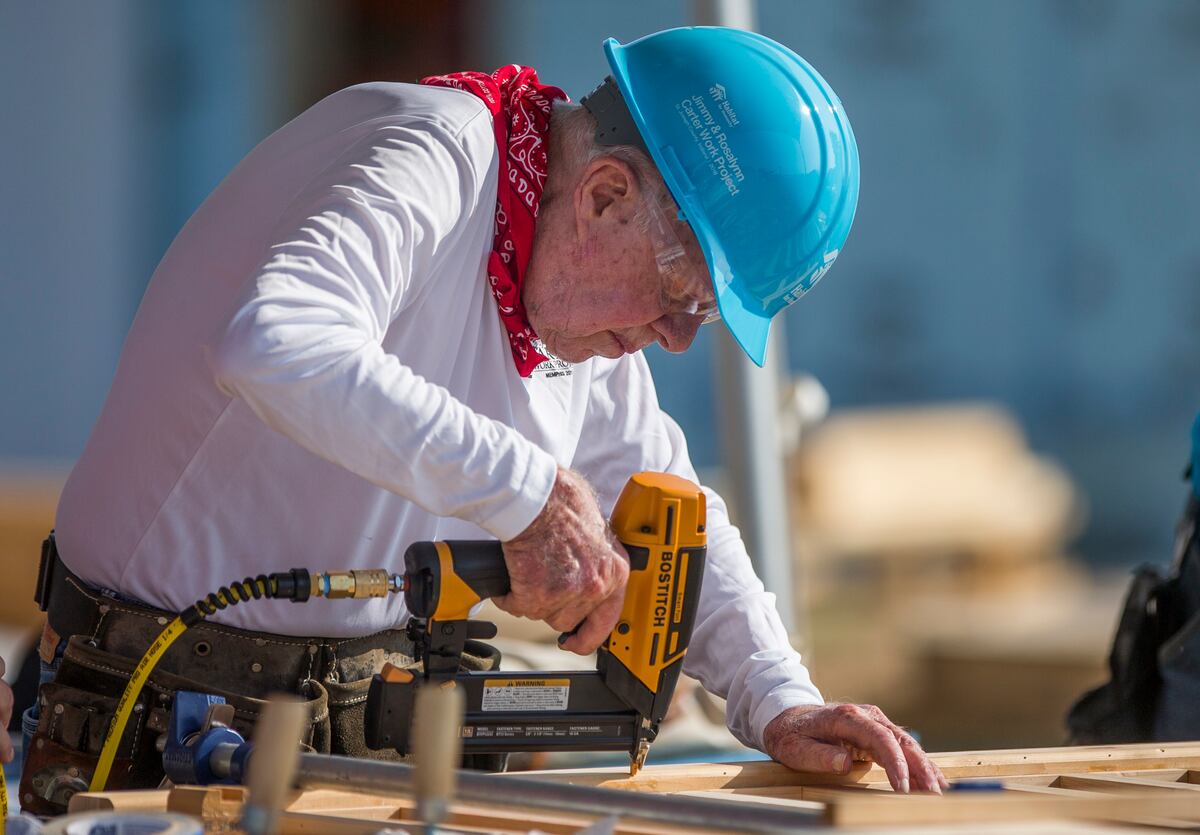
660 519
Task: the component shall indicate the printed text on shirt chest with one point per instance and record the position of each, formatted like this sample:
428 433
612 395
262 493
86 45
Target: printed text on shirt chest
552 366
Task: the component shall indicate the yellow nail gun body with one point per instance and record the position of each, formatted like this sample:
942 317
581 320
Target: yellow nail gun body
660 519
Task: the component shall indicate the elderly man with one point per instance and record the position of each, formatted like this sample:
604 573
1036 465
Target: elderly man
416 312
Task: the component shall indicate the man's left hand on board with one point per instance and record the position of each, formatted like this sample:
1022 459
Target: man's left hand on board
829 738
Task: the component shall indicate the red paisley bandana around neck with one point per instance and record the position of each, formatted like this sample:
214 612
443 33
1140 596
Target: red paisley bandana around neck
520 108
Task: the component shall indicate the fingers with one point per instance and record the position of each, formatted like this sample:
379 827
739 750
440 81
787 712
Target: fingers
926 776
596 628
588 623
564 617
805 754
858 727
829 737
566 620
943 783
504 604
523 606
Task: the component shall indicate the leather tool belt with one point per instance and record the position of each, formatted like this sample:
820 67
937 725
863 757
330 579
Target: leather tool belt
107 635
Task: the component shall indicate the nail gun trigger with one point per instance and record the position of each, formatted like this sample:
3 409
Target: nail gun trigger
415 628
566 636
482 630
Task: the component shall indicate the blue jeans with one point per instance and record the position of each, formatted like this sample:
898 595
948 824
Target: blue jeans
29 719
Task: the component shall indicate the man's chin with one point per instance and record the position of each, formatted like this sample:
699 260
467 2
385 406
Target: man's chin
567 353
581 354
572 353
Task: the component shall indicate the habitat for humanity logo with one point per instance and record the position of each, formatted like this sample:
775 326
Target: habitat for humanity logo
721 99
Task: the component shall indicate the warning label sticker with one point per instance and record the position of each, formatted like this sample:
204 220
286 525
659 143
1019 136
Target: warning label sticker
526 693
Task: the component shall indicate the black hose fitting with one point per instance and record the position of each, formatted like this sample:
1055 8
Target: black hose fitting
295 585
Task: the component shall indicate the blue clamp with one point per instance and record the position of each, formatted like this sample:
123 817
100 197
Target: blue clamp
977 786
188 755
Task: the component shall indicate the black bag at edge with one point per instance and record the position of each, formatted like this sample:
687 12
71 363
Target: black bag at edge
1154 691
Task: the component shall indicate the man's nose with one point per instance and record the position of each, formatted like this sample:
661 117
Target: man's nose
677 331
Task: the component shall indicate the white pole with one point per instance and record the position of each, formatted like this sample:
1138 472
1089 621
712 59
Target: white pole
740 14
749 414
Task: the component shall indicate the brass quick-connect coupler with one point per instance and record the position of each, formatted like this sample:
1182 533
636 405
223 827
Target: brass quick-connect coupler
358 584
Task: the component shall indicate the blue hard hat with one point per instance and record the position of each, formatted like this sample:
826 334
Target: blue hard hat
758 153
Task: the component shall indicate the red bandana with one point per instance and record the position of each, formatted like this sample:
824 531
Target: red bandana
520 108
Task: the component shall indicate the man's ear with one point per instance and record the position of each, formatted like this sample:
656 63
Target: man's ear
608 189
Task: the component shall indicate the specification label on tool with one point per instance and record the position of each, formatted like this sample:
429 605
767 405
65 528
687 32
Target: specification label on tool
544 731
526 693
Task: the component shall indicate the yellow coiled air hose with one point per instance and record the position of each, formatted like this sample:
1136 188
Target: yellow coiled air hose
296 585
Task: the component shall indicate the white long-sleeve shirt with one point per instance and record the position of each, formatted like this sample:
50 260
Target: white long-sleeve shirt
318 377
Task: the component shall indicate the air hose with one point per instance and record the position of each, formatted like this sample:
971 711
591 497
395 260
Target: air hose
297 585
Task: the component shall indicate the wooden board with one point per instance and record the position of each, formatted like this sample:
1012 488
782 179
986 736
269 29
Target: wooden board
1126 788
347 813
1142 784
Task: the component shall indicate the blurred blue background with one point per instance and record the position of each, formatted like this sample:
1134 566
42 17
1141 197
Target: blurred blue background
1026 232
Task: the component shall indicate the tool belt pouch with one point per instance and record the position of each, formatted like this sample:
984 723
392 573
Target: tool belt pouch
78 706
348 705
347 708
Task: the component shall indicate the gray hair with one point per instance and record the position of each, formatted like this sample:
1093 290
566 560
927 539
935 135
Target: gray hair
573 134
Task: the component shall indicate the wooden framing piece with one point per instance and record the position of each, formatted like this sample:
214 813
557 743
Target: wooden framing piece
1134 785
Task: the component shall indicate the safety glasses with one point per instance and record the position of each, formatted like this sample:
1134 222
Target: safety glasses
686 287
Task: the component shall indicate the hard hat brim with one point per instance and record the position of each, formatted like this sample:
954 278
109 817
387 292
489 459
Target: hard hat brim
750 328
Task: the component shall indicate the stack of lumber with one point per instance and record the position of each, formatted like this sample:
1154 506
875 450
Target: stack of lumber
1128 788
947 493
932 555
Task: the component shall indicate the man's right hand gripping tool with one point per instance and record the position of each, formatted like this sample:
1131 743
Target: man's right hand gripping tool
660 519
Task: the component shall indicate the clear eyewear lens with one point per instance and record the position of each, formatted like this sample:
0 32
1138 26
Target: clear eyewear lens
685 288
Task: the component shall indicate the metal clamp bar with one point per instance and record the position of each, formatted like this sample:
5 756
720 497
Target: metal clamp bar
322 771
